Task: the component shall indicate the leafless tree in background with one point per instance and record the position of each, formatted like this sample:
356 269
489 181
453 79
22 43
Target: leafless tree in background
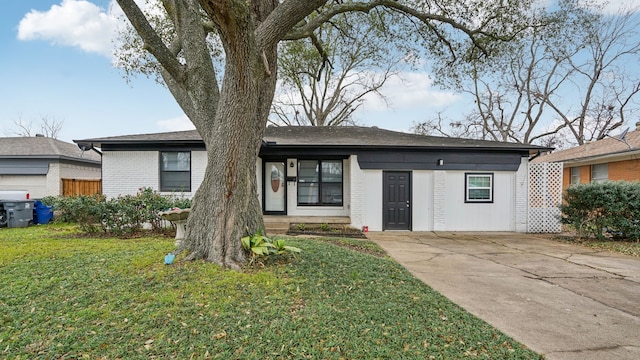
48 127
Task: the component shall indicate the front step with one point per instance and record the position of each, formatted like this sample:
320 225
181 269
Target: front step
276 229
279 225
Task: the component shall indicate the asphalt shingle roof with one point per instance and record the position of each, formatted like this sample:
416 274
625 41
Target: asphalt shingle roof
607 146
43 147
313 136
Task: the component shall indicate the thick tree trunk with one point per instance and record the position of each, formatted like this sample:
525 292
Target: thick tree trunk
226 205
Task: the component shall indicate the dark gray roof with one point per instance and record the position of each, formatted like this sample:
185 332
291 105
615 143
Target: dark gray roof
44 147
314 136
358 136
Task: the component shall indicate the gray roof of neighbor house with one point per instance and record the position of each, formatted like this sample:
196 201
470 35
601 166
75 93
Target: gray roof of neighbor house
314 136
40 147
610 146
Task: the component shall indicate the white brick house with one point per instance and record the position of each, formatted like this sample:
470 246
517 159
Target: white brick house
381 179
39 165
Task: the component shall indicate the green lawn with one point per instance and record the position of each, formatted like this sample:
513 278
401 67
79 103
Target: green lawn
65 297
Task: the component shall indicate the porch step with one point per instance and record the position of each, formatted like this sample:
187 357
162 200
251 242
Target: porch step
276 229
277 224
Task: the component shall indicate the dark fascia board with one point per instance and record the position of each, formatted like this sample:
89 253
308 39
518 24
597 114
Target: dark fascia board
153 146
52 158
273 148
441 159
354 149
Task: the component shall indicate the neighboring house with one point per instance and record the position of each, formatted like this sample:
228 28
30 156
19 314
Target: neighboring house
381 179
613 158
40 165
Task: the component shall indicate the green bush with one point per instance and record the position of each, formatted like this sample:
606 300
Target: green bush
612 207
122 215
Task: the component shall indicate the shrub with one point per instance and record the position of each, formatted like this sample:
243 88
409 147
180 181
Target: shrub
595 208
123 215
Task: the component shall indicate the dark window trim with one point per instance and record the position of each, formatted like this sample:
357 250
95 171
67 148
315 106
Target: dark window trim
320 160
466 189
160 171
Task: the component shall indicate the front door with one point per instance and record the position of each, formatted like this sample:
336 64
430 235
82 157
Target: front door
396 200
274 188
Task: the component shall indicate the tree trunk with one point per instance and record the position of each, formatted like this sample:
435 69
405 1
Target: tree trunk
226 206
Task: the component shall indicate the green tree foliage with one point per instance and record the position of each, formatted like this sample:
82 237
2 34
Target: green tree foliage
597 208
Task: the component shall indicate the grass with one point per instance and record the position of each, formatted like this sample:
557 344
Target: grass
626 247
68 297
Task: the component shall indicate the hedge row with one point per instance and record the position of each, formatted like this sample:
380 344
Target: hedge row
123 215
596 209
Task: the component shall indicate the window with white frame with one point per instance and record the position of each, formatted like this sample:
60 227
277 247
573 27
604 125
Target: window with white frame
175 171
320 182
599 172
575 175
478 188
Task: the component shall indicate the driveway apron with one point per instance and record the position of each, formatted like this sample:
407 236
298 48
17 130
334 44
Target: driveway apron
560 300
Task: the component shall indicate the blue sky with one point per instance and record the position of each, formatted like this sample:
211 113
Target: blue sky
56 63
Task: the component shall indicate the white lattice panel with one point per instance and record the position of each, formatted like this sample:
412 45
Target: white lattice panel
545 197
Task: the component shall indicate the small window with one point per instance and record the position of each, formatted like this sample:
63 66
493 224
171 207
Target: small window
175 171
599 172
575 175
320 182
478 188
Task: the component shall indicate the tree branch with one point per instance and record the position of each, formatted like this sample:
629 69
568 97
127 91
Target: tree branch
152 41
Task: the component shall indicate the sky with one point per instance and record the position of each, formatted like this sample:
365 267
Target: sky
56 63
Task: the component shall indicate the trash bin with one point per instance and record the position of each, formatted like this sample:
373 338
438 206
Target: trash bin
17 214
42 214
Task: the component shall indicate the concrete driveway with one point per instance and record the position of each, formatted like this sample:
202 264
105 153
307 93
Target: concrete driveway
560 300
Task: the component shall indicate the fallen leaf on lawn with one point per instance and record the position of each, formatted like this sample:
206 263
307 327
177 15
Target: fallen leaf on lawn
220 335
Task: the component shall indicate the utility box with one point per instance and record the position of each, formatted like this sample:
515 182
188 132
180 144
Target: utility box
16 214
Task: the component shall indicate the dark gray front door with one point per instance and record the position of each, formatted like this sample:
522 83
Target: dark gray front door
396 200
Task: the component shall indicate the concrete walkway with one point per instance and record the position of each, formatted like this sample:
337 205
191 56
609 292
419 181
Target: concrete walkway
560 300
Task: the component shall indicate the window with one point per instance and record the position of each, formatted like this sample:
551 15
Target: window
478 188
320 182
175 171
575 175
599 172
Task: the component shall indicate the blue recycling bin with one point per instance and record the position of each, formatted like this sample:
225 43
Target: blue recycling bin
42 214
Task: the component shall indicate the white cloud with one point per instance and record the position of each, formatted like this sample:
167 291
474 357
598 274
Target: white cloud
77 23
410 90
176 124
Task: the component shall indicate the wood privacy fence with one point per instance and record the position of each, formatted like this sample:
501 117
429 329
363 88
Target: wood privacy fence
71 187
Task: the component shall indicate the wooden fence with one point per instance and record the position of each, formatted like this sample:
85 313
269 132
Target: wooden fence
71 187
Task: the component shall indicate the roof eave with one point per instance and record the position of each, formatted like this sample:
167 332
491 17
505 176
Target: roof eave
401 147
599 158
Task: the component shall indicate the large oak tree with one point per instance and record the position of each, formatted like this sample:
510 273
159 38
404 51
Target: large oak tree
230 109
